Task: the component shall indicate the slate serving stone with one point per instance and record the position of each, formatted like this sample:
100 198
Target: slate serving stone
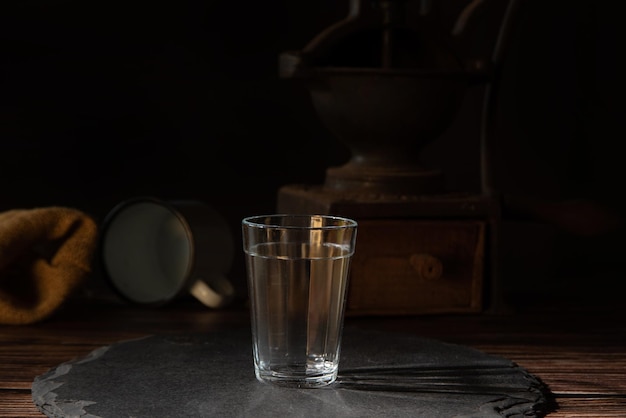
211 375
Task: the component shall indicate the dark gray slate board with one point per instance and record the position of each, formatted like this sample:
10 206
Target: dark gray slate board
211 375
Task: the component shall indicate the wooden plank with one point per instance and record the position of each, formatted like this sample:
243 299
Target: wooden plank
590 407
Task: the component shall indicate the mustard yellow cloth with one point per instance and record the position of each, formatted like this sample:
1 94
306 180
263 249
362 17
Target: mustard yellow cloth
45 254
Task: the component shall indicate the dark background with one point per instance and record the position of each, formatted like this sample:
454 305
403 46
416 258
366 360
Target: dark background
102 101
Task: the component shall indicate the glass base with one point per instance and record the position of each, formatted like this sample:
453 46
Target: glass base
296 380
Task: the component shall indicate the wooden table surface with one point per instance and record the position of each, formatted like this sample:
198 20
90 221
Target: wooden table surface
579 352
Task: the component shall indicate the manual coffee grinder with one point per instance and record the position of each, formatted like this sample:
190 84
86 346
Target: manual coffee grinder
387 81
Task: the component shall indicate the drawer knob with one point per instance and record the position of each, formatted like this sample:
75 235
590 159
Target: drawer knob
426 266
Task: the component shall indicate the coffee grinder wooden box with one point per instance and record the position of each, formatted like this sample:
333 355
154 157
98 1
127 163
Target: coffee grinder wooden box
424 255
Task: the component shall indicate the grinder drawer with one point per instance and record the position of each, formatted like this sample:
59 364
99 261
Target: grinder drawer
417 267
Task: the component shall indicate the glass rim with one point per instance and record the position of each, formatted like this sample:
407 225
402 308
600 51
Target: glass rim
254 221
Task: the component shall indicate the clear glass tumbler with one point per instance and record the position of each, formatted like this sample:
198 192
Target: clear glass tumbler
297 268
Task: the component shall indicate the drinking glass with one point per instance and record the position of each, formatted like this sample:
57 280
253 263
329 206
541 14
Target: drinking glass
297 272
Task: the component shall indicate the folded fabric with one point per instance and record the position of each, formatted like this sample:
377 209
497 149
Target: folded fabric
45 254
